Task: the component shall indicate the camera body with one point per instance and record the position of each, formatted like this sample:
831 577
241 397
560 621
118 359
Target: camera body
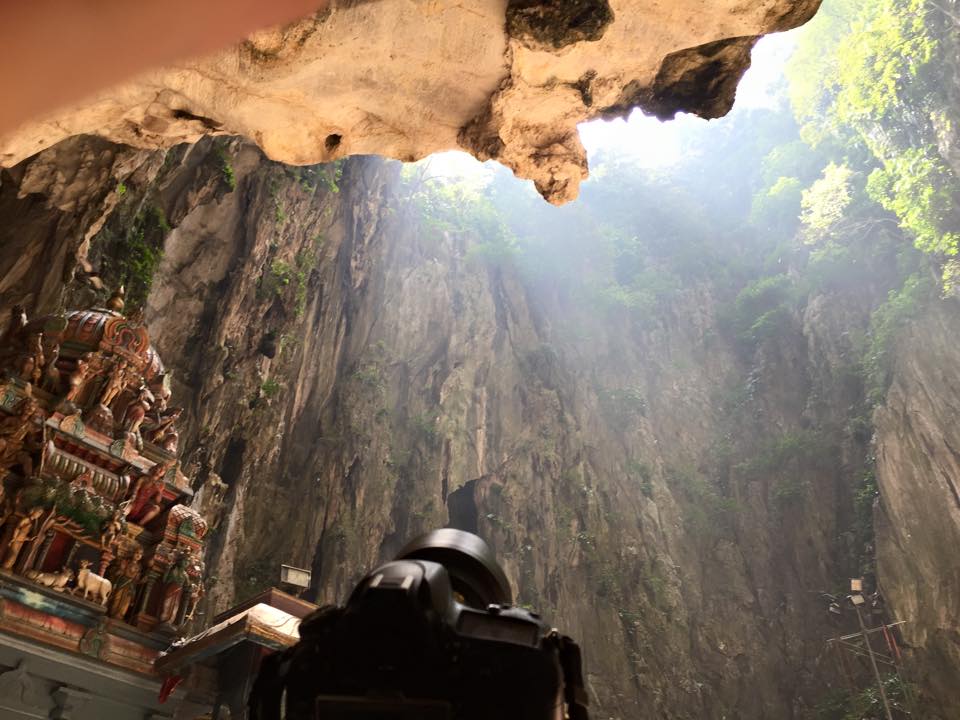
426 639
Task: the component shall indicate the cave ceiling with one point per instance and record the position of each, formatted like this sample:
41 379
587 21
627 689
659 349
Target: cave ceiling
507 81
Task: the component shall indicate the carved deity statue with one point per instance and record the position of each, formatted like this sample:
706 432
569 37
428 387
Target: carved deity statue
14 430
116 301
196 590
51 373
175 580
170 440
43 524
136 411
116 381
112 528
77 379
147 495
197 593
210 499
161 424
31 369
23 532
125 578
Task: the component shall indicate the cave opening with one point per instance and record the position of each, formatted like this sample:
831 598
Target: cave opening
463 513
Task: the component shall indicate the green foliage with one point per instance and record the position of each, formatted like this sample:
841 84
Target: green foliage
920 190
304 263
281 276
655 584
370 376
863 529
424 425
159 218
868 74
825 203
846 705
270 387
622 405
642 474
807 448
497 252
226 166
447 207
786 462
881 62
643 294
275 279
886 322
139 253
761 310
331 176
121 189
777 209
707 511
85 509
951 278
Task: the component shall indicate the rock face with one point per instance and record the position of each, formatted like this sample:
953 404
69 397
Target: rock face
918 517
501 80
356 377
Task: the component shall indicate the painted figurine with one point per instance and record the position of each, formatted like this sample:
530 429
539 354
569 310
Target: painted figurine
125 580
14 430
51 373
78 377
116 381
136 411
22 533
175 580
147 495
32 368
112 528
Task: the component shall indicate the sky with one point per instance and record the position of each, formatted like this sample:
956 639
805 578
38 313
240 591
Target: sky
649 141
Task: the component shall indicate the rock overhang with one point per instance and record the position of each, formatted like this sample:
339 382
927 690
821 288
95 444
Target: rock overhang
507 80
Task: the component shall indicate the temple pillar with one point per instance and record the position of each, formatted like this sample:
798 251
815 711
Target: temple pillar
44 549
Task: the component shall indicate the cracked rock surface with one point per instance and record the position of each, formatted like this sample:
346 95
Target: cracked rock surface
502 80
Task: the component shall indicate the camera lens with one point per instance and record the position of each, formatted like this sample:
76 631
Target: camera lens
474 571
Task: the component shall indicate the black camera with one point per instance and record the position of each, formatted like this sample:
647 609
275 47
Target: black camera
429 636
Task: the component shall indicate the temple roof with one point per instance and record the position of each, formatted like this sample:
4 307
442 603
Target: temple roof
80 331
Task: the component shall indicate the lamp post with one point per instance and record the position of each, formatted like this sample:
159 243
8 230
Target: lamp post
856 599
296 580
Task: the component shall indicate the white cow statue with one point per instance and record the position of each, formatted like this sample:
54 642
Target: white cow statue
90 582
56 581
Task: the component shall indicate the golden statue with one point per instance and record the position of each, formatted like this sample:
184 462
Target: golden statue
22 532
136 411
116 382
14 430
51 373
116 301
175 580
86 366
112 528
32 368
125 578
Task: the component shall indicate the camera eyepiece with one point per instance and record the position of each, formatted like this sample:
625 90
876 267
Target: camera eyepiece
473 569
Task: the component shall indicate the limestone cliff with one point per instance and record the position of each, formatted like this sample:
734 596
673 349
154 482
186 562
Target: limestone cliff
673 499
503 80
918 466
